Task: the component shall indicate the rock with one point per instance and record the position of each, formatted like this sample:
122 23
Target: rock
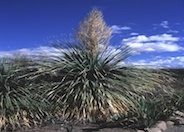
176 129
113 130
154 129
76 129
66 127
180 120
161 125
64 130
170 124
179 113
140 131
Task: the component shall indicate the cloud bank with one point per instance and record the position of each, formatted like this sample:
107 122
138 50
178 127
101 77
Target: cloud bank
158 61
154 43
40 51
177 61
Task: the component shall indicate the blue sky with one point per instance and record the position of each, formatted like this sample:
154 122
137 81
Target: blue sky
153 28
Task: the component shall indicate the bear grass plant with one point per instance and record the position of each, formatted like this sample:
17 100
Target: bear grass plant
89 86
97 86
91 83
19 107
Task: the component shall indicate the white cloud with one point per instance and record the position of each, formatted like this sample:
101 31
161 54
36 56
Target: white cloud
158 61
168 27
164 24
172 31
134 34
41 51
118 29
177 61
154 43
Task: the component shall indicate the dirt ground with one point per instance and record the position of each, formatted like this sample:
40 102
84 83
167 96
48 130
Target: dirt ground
62 128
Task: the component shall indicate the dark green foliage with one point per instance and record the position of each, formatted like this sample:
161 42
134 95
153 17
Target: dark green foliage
18 106
89 86
154 99
179 100
151 111
178 85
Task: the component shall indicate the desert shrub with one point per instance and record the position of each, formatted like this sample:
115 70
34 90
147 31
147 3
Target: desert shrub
148 113
178 86
18 106
154 99
179 99
152 111
89 86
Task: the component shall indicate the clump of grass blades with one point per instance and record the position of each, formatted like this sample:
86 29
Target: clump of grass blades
93 87
153 110
18 106
155 98
148 113
179 97
89 86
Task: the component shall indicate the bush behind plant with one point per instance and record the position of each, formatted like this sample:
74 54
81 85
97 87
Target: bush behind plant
18 105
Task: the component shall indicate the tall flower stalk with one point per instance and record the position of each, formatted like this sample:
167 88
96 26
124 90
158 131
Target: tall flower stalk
94 32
